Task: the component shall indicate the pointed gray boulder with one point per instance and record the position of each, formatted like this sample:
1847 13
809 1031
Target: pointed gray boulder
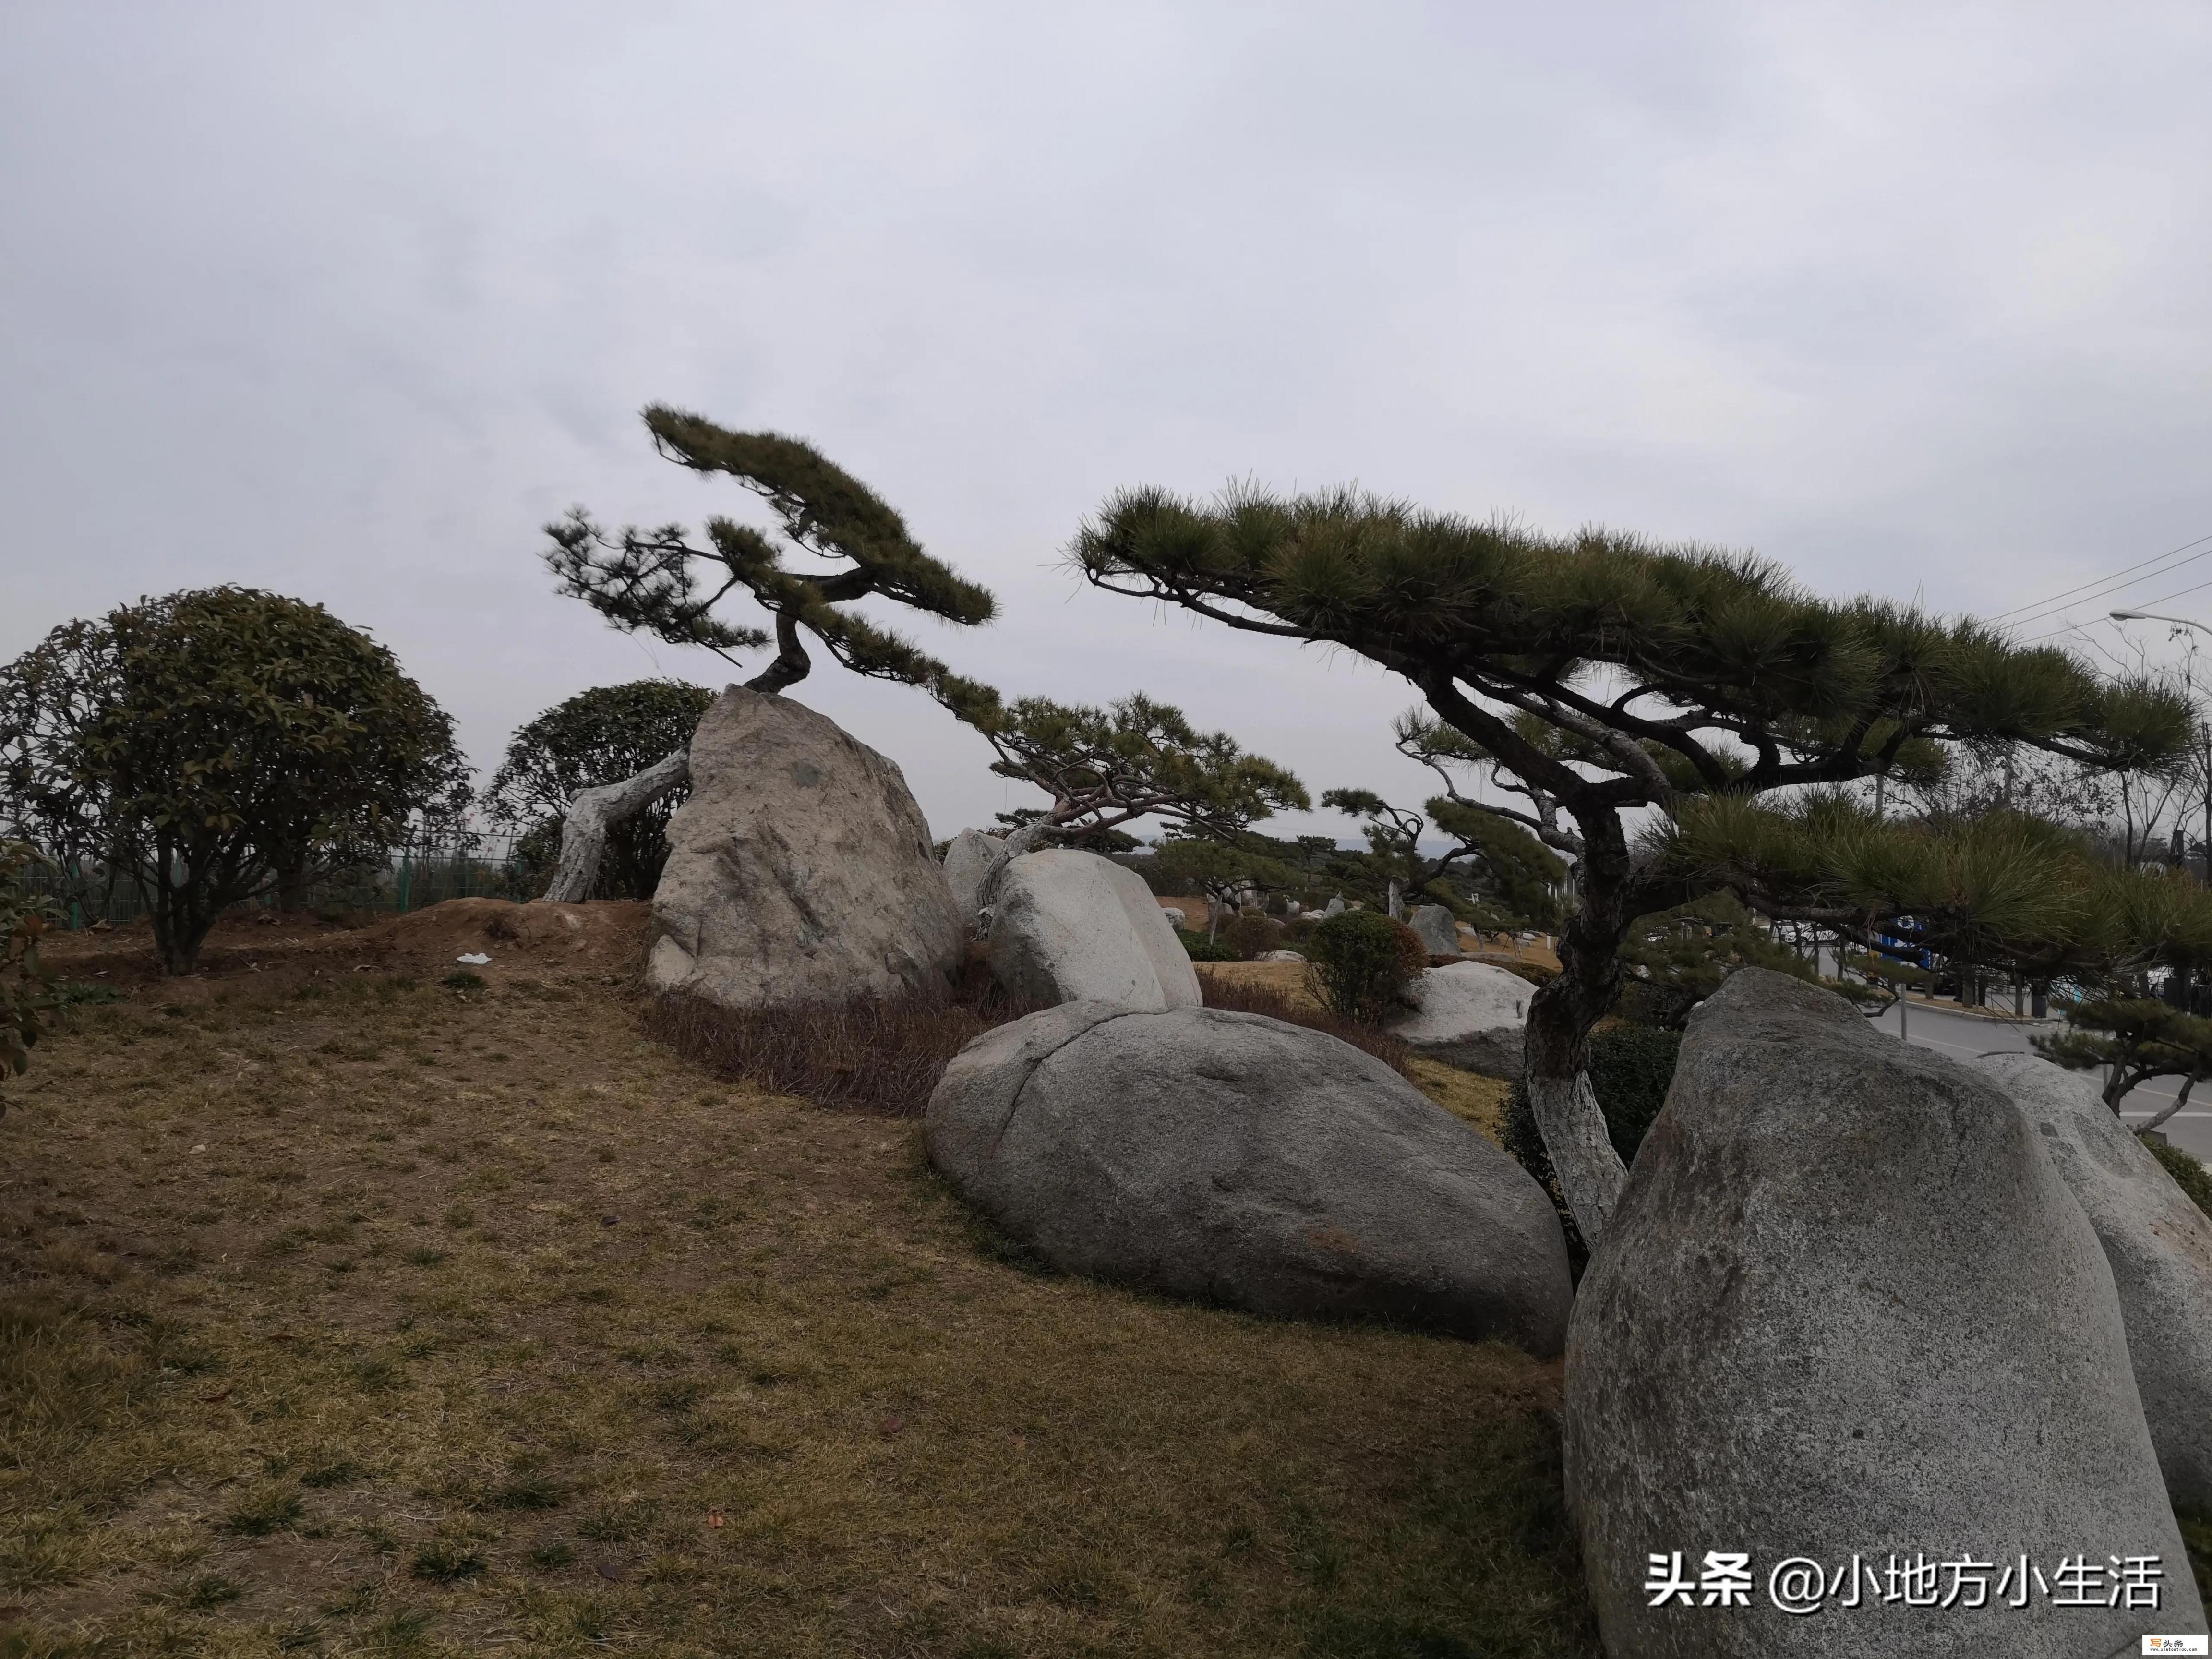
1437 927
800 869
1848 1309
2159 1245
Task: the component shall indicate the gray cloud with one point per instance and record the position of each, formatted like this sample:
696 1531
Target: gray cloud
1911 298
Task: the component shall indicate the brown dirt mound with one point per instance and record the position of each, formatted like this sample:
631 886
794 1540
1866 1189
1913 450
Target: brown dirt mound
533 937
530 941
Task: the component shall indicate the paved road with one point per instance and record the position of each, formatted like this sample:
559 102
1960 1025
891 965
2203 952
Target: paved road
1963 1035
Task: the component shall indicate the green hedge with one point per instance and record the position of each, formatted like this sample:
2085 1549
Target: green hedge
1202 949
2190 1175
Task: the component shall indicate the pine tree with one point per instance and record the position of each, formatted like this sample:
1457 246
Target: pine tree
662 582
1606 678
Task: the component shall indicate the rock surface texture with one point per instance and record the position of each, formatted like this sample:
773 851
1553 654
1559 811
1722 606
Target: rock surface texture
1848 1308
800 869
1072 926
967 862
1237 1159
2159 1245
1469 1014
1438 929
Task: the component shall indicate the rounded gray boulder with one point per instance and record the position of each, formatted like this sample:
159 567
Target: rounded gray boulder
2159 1245
1072 926
1233 1158
1473 1015
1847 1309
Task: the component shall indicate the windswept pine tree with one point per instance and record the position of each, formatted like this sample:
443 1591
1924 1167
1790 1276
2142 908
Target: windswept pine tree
1606 679
1100 768
840 543
1104 767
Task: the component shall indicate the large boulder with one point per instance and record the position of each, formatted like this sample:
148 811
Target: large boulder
800 869
1436 927
2159 1246
968 860
1469 1014
1237 1159
1072 926
1848 1311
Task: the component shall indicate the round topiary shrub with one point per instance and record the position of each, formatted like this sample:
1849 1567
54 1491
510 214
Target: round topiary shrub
1251 934
1359 963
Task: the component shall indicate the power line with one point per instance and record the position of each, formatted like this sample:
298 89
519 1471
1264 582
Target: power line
2036 609
2164 598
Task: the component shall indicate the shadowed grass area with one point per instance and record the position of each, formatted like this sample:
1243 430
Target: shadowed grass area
869 1056
407 1319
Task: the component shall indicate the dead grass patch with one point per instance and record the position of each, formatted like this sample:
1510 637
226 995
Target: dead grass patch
541 1324
883 1057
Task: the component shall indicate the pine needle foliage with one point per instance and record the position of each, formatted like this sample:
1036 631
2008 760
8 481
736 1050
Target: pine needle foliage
1603 678
1104 768
2132 1040
662 582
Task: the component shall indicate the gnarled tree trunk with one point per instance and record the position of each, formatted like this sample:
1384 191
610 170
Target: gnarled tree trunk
1556 1051
594 812
1027 839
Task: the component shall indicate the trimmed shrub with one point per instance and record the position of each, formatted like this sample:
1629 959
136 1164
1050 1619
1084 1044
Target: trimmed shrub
1360 962
2188 1173
1248 935
1202 949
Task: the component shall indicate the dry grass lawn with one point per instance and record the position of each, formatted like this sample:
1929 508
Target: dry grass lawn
348 1312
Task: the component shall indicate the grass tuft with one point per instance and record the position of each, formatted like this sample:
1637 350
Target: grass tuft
447 1561
270 1509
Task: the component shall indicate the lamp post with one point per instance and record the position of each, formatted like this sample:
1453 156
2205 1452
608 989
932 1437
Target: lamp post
2153 615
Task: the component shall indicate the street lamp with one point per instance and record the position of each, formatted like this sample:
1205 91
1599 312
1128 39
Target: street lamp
2152 616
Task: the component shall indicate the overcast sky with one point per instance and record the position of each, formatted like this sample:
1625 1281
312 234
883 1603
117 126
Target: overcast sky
347 302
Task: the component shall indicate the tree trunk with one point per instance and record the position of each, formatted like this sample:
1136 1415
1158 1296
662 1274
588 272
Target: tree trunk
180 914
1027 839
291 887
1555 1051
583 836
2179 1101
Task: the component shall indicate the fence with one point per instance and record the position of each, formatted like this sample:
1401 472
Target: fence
413 877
